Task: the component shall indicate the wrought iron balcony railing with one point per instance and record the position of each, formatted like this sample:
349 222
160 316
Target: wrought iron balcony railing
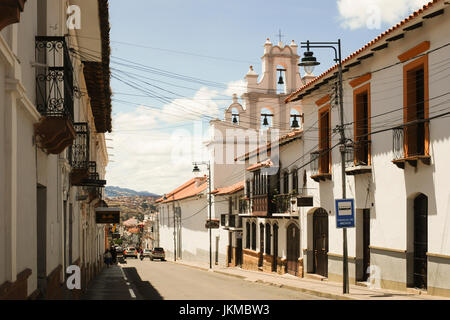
314 164
397 143
79 151
54 78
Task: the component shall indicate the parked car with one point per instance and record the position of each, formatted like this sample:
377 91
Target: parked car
146 253
158 253
119 252
130 252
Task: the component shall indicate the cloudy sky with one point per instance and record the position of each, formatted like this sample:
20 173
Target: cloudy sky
176 63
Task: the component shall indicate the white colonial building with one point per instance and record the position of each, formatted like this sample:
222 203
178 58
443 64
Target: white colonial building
54 111
396 121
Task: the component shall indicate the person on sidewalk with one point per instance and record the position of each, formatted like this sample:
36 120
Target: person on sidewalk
114 255
107 257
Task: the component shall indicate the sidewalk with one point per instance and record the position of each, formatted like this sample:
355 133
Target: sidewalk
325 289
109 284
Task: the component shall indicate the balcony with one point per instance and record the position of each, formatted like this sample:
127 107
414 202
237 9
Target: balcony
79 155
318 160
282 203
236 221
260 205
93 185
243 205
54 95
232 221
357 158
410 151
10 12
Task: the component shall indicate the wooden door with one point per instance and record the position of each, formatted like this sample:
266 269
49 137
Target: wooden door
320 236
293 249
275 247
239 251
420 241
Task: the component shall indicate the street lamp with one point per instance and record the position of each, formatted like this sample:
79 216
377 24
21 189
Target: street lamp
196 172
309 62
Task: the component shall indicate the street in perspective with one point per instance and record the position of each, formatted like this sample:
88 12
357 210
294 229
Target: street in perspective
238 153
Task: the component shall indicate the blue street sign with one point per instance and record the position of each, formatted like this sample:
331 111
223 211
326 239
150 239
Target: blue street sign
345 213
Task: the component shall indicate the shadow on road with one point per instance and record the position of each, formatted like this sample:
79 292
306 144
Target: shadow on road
145 289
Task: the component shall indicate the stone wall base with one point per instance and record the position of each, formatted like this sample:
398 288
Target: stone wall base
17 290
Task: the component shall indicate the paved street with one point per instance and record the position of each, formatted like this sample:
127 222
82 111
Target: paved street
156 280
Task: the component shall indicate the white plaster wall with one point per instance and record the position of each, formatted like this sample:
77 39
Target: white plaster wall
389 186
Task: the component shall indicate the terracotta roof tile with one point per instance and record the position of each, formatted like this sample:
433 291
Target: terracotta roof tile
188 189
368 45
263 164
230 189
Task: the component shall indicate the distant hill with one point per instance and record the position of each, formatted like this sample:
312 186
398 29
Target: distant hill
112 191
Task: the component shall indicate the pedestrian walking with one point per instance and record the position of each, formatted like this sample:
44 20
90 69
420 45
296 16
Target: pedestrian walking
114 255
107 258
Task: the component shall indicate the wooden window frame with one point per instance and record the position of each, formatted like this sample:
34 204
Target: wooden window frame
321 112
360 90
409 67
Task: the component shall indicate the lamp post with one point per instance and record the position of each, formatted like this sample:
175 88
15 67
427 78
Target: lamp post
309 62
196 170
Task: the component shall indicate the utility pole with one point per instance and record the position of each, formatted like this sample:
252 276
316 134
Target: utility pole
196 171
210 208
343 151
174 232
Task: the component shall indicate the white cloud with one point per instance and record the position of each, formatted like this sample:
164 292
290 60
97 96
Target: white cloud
184 109
147 157
238 87
373 14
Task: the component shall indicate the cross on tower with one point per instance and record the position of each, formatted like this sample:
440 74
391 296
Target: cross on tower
279 35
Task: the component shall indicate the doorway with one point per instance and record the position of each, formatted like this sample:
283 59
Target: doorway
275 247
261 245
41 214
293 249
230 248
320 242
366 244
420 241
239 251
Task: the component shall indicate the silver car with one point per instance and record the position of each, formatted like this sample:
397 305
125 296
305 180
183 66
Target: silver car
158 253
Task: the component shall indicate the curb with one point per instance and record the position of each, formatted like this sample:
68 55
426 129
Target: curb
303 290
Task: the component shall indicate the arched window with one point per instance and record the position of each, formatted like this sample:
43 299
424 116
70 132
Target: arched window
235 116
281 80
268 236
295 119
266 118
254 236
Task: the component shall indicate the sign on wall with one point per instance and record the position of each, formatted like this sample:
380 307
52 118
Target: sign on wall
345 213
107 215
305 202
212 224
